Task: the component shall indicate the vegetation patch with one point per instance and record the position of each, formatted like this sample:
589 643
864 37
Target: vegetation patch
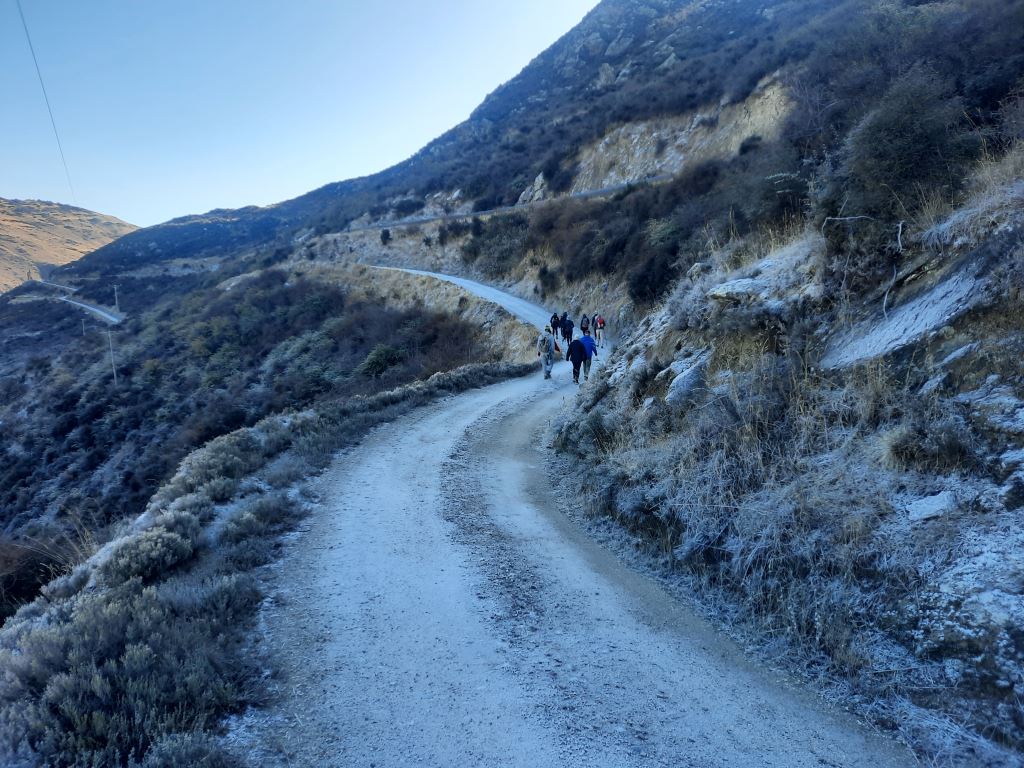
140 668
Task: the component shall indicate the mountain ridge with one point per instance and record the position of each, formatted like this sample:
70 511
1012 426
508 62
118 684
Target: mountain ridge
39 235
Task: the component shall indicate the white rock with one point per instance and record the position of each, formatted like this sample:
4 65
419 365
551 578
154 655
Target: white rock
742 290
688 382
1012 460
931 507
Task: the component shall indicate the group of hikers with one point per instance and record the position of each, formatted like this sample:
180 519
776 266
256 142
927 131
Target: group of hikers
579 351
565 327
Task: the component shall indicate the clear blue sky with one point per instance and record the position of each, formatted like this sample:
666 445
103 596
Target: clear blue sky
169 107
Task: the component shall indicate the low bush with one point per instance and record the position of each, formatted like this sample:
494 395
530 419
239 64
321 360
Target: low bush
275 513
916 138
122 669
940 444
178 750
147 555
381 358
498 245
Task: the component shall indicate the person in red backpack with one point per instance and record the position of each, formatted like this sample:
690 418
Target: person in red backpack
599 329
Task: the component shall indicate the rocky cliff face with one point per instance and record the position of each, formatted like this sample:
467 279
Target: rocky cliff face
36 236
639 151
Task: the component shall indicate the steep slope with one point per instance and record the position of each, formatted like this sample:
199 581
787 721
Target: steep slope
35 235
638 61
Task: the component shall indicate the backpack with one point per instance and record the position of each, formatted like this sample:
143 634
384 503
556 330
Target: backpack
600 322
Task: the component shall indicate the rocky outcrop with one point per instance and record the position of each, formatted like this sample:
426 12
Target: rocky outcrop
654 148
534 193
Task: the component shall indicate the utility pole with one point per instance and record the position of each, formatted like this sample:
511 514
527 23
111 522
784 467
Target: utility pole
83 326
110 341
117 304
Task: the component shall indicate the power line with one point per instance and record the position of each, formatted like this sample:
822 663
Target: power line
46 98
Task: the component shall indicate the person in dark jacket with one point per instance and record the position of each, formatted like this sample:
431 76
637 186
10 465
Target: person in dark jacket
567 326
576 354
555 322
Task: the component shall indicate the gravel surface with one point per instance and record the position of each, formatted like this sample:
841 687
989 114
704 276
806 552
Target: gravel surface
440 610
443 609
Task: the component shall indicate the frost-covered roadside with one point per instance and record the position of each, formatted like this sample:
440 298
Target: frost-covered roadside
845 483
437 609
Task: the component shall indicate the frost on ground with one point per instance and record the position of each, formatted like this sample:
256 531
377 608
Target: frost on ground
441 611
935 309
852 495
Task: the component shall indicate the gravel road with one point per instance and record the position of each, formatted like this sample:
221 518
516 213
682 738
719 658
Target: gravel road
440 609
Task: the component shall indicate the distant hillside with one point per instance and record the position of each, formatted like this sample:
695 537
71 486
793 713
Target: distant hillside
36 233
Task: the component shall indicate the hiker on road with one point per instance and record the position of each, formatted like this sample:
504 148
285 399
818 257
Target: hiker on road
555 324
546 349
599 329
567 326
576 354
591 347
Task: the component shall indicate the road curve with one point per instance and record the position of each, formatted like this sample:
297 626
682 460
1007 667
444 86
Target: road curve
102 314
529 313
440 610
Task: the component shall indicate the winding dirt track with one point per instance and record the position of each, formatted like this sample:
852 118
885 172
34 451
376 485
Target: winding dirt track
441 611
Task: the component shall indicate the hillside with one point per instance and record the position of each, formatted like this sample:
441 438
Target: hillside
804 222
37 235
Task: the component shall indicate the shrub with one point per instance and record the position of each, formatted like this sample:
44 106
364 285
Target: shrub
285 471
147 555
498 244
942 445
380 359
126 667
549 279
409 205
220 489
188 749
915 138
649 282
1011 116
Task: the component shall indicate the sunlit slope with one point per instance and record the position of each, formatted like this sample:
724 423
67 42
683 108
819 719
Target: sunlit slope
36 234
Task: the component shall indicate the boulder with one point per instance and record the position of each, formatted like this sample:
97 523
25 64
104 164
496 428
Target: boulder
742 290
931 507
689 382
535 192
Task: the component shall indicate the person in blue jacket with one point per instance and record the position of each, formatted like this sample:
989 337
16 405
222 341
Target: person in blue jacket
591 347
